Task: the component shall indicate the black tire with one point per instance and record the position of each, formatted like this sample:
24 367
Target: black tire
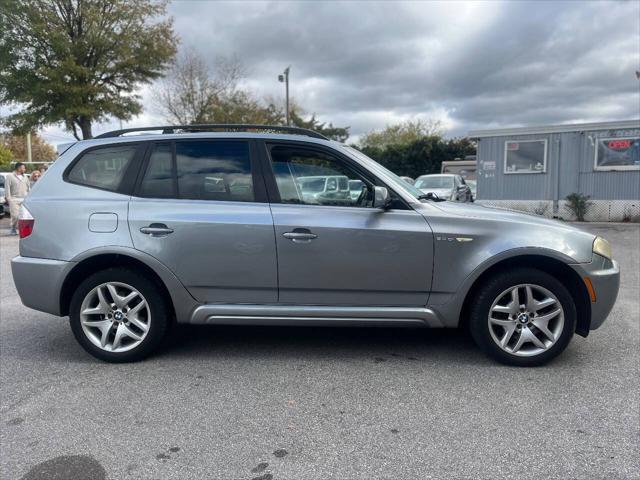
158 326
491 289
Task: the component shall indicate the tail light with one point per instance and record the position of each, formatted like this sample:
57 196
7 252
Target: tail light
25 222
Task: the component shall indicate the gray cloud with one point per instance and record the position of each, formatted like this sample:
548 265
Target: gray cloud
474 65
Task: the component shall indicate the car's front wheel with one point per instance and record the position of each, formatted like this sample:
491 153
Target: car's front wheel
523 317
118 315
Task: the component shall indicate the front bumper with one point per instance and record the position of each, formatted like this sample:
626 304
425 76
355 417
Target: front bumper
39 281
604 275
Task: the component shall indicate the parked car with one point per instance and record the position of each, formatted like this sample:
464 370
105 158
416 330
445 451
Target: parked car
323 189
3 200
473 185
355 189
409 180
445 186
122 237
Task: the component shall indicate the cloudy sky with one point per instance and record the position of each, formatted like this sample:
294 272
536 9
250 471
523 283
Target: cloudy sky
469 64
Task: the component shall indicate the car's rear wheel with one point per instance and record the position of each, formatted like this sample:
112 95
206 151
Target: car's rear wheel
118 315
523 317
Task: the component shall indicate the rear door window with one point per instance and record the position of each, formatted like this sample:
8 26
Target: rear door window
199 170
159 178
103 167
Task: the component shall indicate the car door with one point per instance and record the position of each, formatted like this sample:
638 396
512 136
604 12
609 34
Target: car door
200 208
337 250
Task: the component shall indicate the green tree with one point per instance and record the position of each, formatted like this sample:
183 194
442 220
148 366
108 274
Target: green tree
339 134
402 133
41 150
6 157
80 61
241 106
421 156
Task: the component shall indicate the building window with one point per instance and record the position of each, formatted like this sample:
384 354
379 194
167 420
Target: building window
525 156
621 153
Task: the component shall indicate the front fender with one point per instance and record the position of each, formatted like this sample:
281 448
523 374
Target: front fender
449 304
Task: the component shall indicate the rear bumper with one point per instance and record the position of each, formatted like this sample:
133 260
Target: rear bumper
39 281
605 278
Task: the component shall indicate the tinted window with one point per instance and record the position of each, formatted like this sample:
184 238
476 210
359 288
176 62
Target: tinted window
316 178
158 180
214 170
103 167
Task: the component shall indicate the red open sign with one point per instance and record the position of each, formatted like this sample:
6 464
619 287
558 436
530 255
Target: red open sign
619 144
513 146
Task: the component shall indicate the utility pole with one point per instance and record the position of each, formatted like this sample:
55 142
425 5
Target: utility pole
284 77
29 147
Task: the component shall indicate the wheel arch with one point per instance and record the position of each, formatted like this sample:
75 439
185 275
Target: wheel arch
545 263
179 301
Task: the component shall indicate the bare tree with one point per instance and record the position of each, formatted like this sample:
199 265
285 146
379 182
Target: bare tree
190 93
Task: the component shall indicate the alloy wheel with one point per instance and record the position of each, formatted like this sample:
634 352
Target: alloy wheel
526 320
115 317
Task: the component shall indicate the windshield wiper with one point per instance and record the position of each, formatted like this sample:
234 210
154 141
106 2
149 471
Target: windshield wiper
431 196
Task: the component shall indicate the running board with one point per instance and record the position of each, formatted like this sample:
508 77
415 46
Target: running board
288 315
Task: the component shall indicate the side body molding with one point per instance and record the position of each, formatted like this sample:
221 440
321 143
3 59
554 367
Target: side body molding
314 315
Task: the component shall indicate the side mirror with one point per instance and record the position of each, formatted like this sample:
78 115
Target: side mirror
381 198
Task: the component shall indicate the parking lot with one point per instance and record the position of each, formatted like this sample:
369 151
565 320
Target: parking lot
307 403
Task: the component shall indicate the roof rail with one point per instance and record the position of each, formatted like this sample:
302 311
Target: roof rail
216 126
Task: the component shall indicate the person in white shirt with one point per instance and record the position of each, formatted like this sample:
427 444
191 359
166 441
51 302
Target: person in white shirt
16 189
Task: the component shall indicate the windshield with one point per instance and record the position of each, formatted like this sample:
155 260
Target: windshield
406 186
356 185
435 181
315 185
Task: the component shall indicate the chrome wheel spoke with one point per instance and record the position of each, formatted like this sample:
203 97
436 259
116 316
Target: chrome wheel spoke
135 310
511 307
126 300
117 299
123 331
142 326
530 302
103 306
508 334
526 336
542 323
542 304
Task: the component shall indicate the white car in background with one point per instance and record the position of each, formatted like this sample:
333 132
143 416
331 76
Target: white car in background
445 186
4 208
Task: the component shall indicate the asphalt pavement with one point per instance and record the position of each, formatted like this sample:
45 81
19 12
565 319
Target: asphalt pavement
311 403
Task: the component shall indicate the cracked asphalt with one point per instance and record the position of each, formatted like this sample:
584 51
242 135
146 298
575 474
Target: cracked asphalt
308 403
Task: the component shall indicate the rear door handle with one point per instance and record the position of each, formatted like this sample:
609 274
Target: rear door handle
157 230
300 235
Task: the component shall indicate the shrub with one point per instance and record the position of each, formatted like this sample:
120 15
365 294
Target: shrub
578 204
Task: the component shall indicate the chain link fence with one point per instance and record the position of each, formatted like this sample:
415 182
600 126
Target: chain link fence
597 210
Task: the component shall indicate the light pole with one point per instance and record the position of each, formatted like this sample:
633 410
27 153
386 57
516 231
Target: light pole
284 77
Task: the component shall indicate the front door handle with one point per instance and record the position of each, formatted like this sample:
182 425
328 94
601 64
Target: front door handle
157 230
300 235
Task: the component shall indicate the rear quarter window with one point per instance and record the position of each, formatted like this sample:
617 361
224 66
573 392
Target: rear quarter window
102 167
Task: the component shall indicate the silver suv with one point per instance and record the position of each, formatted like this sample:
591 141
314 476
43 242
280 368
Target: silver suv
127 234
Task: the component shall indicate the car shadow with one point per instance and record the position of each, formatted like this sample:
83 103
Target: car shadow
308 343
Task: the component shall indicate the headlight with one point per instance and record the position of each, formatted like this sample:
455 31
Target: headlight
602 247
